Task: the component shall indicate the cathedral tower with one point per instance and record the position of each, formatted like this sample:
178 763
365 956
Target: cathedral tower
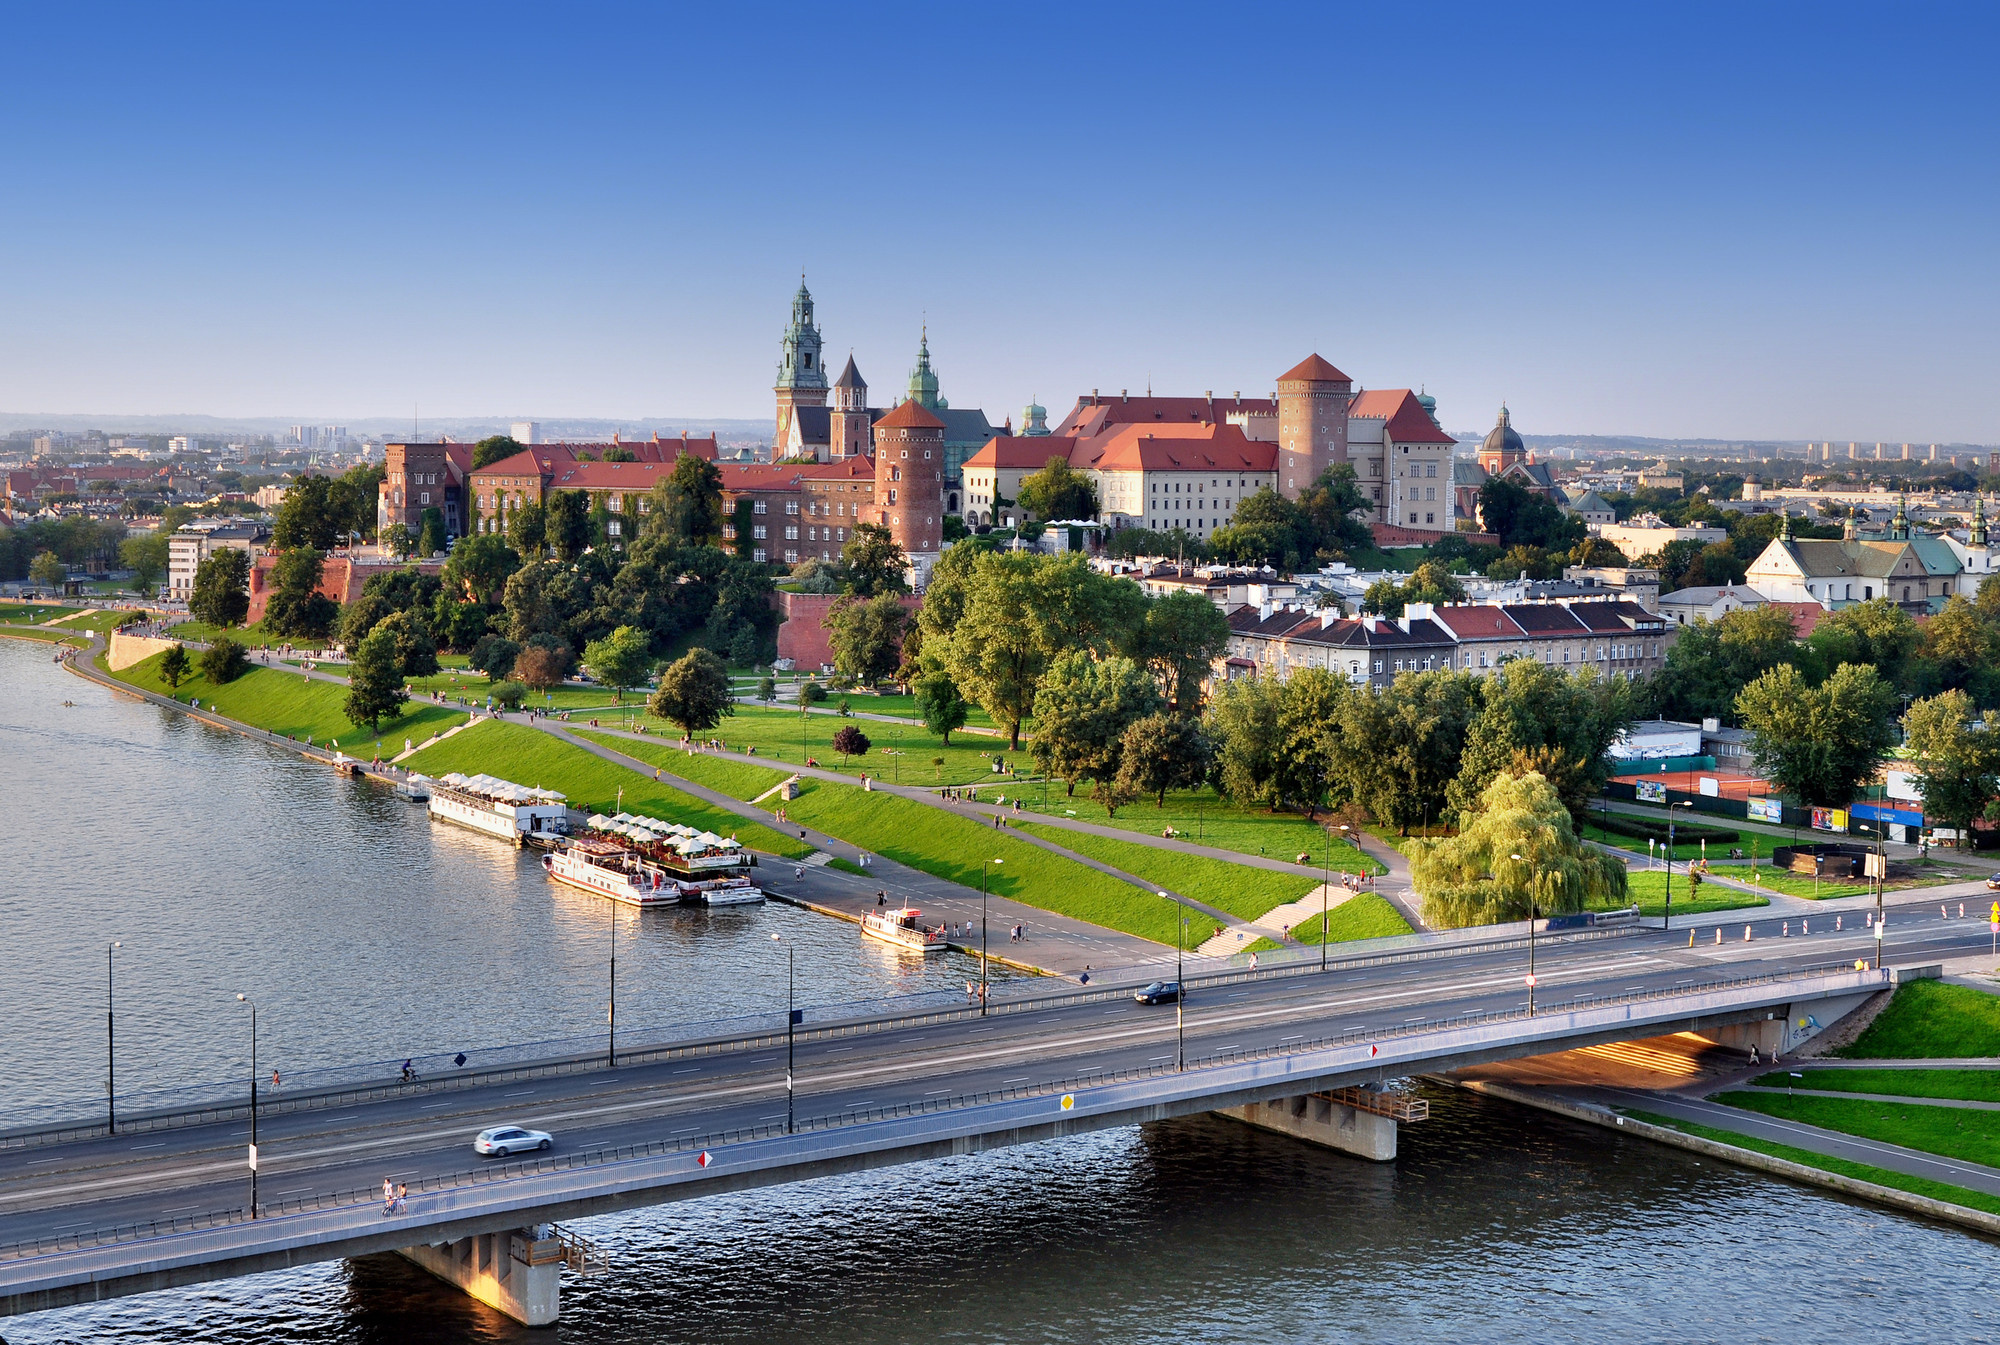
1313 398
801 376
923 381
847 425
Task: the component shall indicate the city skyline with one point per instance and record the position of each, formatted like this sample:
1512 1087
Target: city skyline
1610 227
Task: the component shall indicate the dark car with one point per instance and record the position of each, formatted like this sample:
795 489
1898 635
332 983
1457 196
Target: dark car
1159 992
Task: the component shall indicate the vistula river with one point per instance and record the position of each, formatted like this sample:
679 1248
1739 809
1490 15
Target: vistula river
226 865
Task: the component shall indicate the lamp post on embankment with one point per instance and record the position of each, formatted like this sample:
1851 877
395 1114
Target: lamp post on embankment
984 959
1531 940
110 1049
1180 984
791 1027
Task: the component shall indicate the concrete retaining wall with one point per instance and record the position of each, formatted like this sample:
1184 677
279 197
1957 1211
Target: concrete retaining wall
127 650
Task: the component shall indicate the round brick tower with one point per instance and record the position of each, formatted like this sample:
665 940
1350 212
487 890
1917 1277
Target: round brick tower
909 478
1313 398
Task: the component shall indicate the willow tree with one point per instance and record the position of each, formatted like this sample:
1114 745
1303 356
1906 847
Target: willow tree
1474 878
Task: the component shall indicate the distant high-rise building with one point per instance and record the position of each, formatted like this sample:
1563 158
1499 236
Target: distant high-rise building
525 432
181 443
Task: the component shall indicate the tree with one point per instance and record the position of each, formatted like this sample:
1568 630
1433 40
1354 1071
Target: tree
223 661
494 655
1243 723
1433 583
994 654
1162 752
1878 633
359 617
1183 634
1473 878
1082 708
621 659
174 665
1524 562
850 741
375 689
1956 763
687 504
1329 506
397 538
145 555
567 523
813 575
1708 663
1398 747
1520 517
528 530
1058 491
508 693
307 518
494 448
416 652
1527 706
221 594
767 689
1268 529
872 562
811 693
1819 743
867 635
1963 646
539 667
47 570
296 605
480 567
939 705
1595 552
694 692
431 538
1309 704
1383 598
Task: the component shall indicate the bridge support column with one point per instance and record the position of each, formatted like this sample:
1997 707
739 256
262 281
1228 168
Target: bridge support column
1321 1119
518 1272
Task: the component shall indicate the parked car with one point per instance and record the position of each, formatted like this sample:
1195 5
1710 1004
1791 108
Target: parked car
1993 883
1159 992
500 1141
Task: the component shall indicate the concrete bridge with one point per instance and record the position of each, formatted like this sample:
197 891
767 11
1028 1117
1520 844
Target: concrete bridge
87 1215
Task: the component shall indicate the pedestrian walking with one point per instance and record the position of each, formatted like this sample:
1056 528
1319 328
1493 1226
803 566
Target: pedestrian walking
388 1197
402 1198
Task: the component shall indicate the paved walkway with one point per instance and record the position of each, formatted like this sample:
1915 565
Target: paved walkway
1969 1104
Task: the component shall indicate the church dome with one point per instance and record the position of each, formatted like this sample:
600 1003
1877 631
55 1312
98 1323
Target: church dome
1503 440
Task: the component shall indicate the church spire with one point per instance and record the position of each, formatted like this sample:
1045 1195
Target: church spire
1979 520
1784 525
923 380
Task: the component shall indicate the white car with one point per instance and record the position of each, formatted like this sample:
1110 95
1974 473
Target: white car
503 1140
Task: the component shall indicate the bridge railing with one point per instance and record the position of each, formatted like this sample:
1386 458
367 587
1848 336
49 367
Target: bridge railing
361 1197
338 1086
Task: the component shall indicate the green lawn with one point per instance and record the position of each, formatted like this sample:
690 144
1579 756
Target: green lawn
1802 885
951 847
1965 1085
1235 888
1366 916
32 613
897 753
255 637
894 703
461 681
101 621
1649 890
738 779
527 756
30 633
291 706
1750 843
1208 819
1951 1195
1929 1020
1953 1132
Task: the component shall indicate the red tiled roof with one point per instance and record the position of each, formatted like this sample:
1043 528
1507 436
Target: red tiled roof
1407 421
1185 448
1313 369
1097 415
1805 616
910 416
1477 623
551 457
751 476
1543 618
1017 451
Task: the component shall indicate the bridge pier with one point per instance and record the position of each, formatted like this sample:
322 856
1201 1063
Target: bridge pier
518 1272
1356 1121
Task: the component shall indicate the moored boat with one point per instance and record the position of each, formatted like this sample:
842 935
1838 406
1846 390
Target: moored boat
614 871
904 927
499 807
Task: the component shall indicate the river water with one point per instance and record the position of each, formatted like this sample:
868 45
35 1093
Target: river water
364 932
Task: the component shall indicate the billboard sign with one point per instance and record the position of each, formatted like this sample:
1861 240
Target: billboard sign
1767 810
1651 791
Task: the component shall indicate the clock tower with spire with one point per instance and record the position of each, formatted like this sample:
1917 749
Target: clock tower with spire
801 375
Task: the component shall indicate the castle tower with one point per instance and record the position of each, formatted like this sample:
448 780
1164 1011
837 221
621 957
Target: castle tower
847 425
801 377
923 382
1313 398
909 478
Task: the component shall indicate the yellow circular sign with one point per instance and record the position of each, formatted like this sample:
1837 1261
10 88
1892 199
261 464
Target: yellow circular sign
1068 1101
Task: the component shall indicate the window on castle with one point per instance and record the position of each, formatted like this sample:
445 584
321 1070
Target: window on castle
757 507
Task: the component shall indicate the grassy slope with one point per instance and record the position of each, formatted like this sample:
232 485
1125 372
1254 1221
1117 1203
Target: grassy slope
775 734
1966 1085
952 847
1235 888
737 779
1954 1132
1952 1195
33 612
530 757
290 706
46 636
1209 819
1649 889
1367 916
1931 1020
894 703
255 637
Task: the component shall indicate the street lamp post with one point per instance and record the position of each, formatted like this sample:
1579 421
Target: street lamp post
611 1052
110 1050
983 958
245 999
791 1026
1667 914
1180 985
1531 942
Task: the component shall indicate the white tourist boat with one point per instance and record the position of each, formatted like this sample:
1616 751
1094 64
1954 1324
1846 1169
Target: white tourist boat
904 927
614 871
706 869
733 891
499 807
415 788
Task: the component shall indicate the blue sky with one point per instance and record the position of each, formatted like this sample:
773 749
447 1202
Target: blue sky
1728 221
